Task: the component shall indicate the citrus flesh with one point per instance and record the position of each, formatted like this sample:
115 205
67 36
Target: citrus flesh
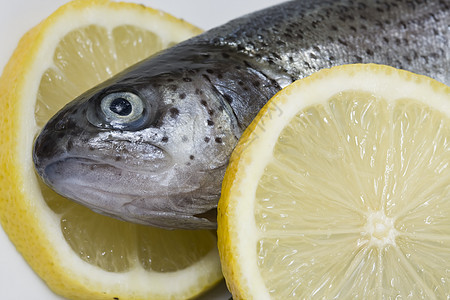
340 189
80 254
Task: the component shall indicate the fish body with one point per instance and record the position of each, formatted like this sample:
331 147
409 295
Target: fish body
151 144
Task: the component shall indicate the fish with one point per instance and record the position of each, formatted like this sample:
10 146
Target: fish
151 144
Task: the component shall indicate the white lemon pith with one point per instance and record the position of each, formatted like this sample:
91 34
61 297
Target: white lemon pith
340 188
79 254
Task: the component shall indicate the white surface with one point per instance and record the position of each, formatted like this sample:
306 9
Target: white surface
17 280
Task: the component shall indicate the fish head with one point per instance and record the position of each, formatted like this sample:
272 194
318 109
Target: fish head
148 147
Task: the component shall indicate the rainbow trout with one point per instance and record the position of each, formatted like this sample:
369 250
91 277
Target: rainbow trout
151 144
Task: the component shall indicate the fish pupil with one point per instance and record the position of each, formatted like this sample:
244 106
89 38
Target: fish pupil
121 106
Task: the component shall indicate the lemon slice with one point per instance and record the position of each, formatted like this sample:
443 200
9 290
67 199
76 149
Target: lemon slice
80 254
340 189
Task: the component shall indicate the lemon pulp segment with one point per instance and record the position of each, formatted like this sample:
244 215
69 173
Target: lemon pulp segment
359 193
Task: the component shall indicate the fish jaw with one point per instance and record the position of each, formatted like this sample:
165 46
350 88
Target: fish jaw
165 205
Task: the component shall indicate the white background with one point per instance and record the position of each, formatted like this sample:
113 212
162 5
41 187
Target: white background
17 280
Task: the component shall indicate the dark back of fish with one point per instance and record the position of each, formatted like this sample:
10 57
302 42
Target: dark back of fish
301 37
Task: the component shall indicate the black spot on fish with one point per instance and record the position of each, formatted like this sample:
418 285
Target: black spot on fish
313 56
172 87
69 145
220 76
192 71
65 124
386 40
435 55
165 139
228 98
402 24
342 42
358 58
207 139
191 157
204 103
209 71
362 6
182 95
184 138
118 158
211 112
218 140
281 43
170 80
225 55
238 67
407 58
174 112
276 55
369 52
331 57
210 123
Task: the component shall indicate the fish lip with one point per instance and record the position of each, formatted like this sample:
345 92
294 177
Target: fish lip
122 210
50 175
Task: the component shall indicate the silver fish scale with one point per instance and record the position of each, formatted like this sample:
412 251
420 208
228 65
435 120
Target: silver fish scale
301 37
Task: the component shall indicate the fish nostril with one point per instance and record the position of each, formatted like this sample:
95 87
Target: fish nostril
63 124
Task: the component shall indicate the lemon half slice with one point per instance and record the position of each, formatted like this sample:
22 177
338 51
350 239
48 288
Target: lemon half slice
340 188
79 254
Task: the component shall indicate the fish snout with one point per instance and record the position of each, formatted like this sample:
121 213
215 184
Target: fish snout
46 150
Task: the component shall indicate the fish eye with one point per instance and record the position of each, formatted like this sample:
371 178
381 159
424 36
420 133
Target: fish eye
122 108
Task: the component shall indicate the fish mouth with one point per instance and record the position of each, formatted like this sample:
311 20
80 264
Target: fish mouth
115 199
102 185
86 173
